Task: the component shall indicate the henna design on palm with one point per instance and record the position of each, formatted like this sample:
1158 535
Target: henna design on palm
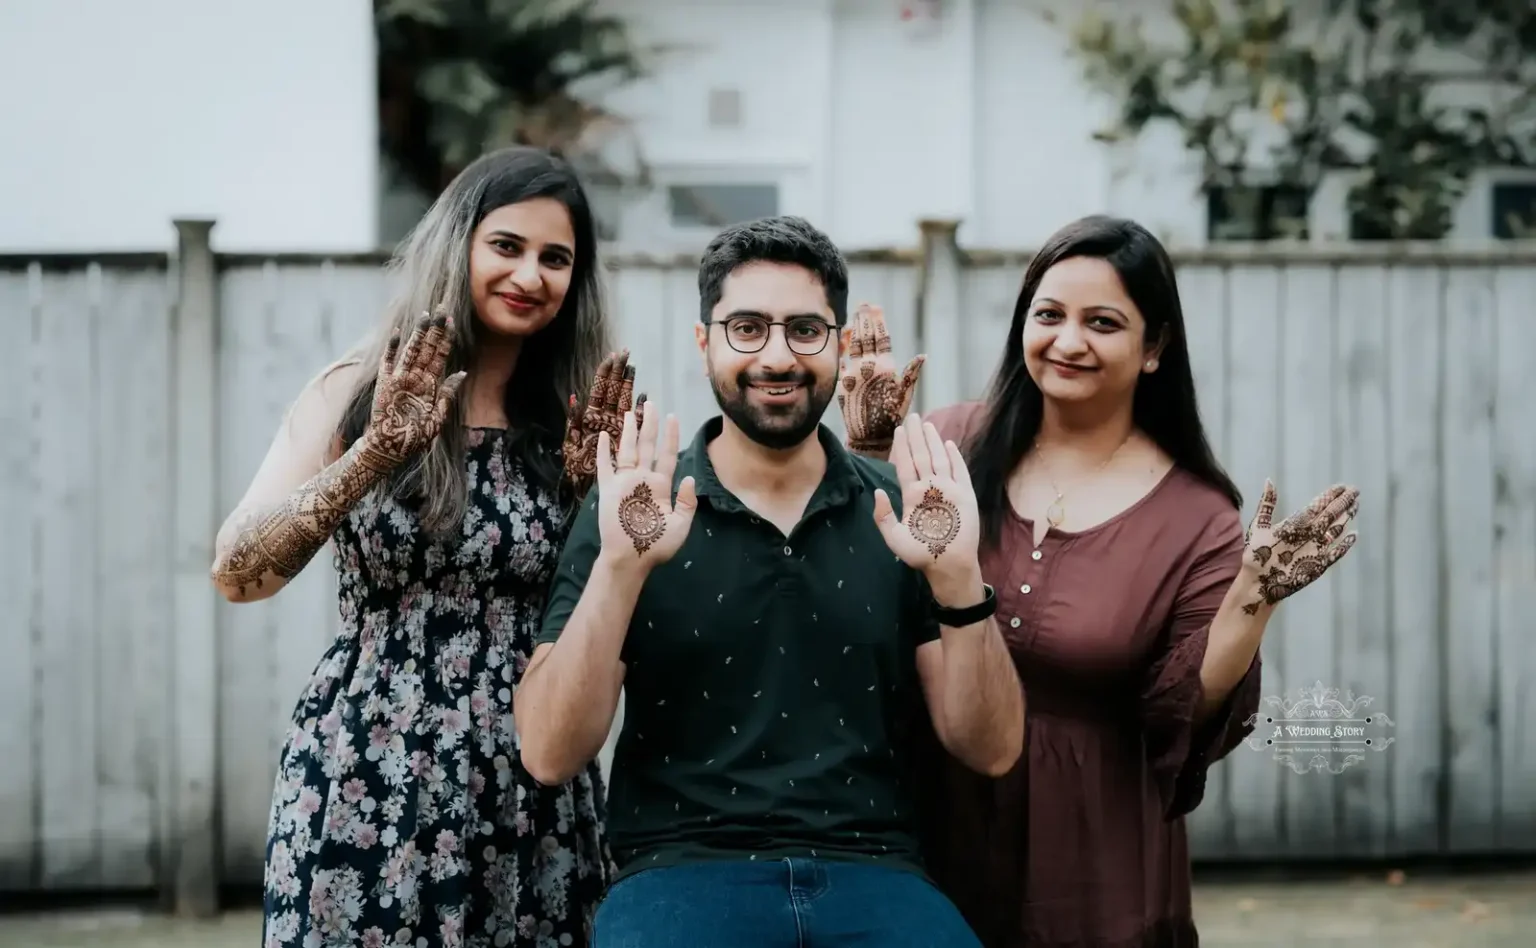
1296 552
934 521
642 519
871 397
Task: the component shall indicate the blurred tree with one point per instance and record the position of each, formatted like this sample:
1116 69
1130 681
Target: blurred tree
461 77
1414 95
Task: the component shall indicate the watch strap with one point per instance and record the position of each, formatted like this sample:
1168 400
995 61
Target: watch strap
958 617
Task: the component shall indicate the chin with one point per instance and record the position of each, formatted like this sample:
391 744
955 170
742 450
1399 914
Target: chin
514 325
1063 391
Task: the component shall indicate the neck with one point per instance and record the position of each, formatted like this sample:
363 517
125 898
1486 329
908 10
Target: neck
1093 430
743 465
494 361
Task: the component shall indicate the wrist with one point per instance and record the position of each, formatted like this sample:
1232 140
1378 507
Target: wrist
956 587
1248 590
365 451
620 570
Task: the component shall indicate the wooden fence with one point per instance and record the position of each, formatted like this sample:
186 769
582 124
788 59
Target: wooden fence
140 716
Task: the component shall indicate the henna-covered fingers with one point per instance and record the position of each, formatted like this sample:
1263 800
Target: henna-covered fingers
856 334
1299 526
881 336
1263 519
626 390
442 347
867 331
909 380
410 352
618 372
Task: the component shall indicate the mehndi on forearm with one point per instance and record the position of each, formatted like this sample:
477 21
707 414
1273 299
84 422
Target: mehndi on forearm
274 544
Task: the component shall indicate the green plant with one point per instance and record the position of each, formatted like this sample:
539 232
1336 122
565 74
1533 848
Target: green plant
460 77
1262 92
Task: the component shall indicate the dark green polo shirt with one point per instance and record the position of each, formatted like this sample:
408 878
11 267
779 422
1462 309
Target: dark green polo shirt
770 682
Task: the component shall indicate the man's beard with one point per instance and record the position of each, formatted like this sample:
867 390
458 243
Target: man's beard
775 427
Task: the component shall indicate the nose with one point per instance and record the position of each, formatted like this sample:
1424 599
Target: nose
776 355
1070 340
526 273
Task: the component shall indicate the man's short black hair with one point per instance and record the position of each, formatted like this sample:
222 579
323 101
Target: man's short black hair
784 239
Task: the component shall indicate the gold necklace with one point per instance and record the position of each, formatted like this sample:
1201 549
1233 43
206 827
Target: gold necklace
1057 511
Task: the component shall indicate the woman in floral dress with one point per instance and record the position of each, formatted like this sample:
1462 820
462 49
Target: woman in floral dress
401 814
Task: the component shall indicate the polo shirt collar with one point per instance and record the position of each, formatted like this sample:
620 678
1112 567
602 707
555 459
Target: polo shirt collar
839 483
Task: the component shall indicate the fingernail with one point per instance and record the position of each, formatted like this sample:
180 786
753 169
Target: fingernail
629 373
641 400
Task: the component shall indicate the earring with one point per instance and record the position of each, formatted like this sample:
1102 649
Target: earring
1151 364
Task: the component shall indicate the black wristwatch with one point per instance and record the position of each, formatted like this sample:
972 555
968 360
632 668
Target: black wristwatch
962 616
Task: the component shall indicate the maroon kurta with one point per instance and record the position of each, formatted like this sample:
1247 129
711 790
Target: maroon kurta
1083 843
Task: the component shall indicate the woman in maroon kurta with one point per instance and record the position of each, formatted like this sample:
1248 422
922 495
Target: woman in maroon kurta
1130 604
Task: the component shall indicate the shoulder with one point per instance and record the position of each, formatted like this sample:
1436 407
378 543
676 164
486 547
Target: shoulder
316 414
330 389
1215 524
958 422
875 473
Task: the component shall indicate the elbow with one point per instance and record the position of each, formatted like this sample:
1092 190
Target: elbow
1004 754
544 766
538 754
235 594
546 772
238 591
1002 764
998 755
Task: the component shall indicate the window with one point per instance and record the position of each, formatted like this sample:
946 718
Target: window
724 108
1514 210
714 206
1254 214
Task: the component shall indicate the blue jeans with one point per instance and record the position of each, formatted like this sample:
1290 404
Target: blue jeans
779 903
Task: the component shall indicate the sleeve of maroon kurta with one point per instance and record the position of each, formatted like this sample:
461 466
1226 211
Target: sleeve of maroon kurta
1178 750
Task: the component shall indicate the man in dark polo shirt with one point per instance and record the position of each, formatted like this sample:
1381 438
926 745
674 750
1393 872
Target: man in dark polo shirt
774 624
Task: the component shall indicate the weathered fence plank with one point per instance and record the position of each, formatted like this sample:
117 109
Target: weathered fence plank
140 719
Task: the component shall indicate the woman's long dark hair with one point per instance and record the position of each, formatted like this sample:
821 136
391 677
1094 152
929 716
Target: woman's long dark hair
1164 405
432 269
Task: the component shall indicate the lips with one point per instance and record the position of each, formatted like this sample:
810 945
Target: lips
518 300
1069 367
776 389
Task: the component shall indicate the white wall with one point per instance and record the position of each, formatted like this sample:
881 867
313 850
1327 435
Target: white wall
868 124
121 114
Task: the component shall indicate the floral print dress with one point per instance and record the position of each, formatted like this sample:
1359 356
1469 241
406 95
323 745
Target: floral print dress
402 815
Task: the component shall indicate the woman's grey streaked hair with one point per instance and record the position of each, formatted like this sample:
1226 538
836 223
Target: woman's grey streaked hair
431 269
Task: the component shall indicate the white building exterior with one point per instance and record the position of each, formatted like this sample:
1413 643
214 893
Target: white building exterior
119 115
862 115
865 115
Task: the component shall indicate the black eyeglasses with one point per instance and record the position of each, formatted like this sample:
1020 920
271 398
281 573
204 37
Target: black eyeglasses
806 335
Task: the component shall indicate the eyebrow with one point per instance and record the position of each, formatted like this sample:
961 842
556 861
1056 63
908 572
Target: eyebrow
1101 306
519 237
752 312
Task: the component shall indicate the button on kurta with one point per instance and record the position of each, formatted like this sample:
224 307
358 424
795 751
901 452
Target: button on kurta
1035 555
1014 622
1025 589
788 551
